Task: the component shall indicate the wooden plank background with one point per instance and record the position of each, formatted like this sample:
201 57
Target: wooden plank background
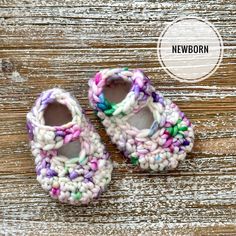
62 43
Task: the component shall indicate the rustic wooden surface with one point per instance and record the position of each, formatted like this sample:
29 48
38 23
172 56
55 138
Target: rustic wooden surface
62 43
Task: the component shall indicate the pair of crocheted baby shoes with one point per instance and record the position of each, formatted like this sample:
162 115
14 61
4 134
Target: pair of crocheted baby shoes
71 161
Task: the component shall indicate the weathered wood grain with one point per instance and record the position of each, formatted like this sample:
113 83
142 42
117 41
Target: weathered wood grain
62 43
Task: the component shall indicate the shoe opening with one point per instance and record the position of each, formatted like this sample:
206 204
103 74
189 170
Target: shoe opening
116 90
143 119
57 114
70 150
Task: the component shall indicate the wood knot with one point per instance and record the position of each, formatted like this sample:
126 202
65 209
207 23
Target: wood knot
7 66
9 71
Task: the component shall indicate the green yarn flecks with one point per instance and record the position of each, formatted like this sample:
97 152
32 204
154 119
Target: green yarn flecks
107 107
134 160
111 109
66 169
83 160
77 195
177 129
75 160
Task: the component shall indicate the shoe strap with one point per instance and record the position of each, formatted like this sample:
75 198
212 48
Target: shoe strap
138 94
53 137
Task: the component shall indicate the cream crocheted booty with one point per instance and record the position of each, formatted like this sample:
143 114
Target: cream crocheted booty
149 129
71 162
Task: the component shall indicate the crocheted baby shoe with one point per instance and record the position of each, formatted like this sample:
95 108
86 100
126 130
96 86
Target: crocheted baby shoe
71 162
150 130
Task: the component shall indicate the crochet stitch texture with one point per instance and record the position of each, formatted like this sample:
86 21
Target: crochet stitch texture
75 180
159 147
